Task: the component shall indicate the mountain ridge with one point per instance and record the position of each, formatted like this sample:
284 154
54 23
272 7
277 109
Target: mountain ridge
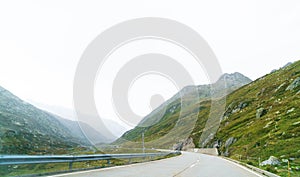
170 107
260 121
25 129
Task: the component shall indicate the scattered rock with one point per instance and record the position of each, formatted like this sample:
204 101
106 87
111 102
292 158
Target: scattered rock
242 105
172 109
290 110
279 87
294 84
268 124
261 92
271 161
292 159
260 112
233 109
296 123
248 124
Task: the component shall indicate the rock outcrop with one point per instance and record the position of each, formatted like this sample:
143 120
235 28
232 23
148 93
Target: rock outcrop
271 161
228 143
184 145
260 112
294 84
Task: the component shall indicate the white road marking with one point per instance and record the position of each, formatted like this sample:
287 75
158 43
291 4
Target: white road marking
188 162
244 168
192 165
108 168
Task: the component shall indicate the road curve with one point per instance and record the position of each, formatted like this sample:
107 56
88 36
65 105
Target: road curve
186 165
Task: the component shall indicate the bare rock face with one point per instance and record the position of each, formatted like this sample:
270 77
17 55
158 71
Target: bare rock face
188 143
184 145
228 142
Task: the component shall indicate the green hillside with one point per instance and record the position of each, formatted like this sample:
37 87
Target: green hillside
25 129
269 122
173 121
261 119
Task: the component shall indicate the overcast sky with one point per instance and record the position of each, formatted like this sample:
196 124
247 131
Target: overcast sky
42 41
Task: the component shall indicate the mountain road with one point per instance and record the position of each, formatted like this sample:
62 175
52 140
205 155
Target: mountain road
188 164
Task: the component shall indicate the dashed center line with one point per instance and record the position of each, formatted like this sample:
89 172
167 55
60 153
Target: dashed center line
191 166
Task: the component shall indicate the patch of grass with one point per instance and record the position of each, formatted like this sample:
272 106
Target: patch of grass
274 133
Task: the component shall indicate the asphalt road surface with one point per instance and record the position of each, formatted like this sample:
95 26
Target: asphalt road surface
186 165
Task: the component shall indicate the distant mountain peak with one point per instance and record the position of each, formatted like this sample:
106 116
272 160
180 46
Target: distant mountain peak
225 85
234 76
288 64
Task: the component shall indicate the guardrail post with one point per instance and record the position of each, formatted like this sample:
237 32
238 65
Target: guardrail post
289 174
70 165
108 162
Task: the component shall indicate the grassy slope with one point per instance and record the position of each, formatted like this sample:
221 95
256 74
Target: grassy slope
277 132
178 122
25 129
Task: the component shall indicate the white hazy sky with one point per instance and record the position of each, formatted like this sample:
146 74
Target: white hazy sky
42 41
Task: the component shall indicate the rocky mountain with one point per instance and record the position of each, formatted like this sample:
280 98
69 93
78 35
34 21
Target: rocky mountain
260 121
25 129
165 118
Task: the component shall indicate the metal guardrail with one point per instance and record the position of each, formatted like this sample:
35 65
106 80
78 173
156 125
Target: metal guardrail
39 159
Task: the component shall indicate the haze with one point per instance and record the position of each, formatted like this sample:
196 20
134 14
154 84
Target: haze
41 42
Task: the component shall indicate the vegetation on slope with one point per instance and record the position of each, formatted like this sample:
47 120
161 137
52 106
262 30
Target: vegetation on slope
260 120
25 129
175 119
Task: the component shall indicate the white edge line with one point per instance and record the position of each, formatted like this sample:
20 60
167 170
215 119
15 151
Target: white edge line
110 168
93 170
245 168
